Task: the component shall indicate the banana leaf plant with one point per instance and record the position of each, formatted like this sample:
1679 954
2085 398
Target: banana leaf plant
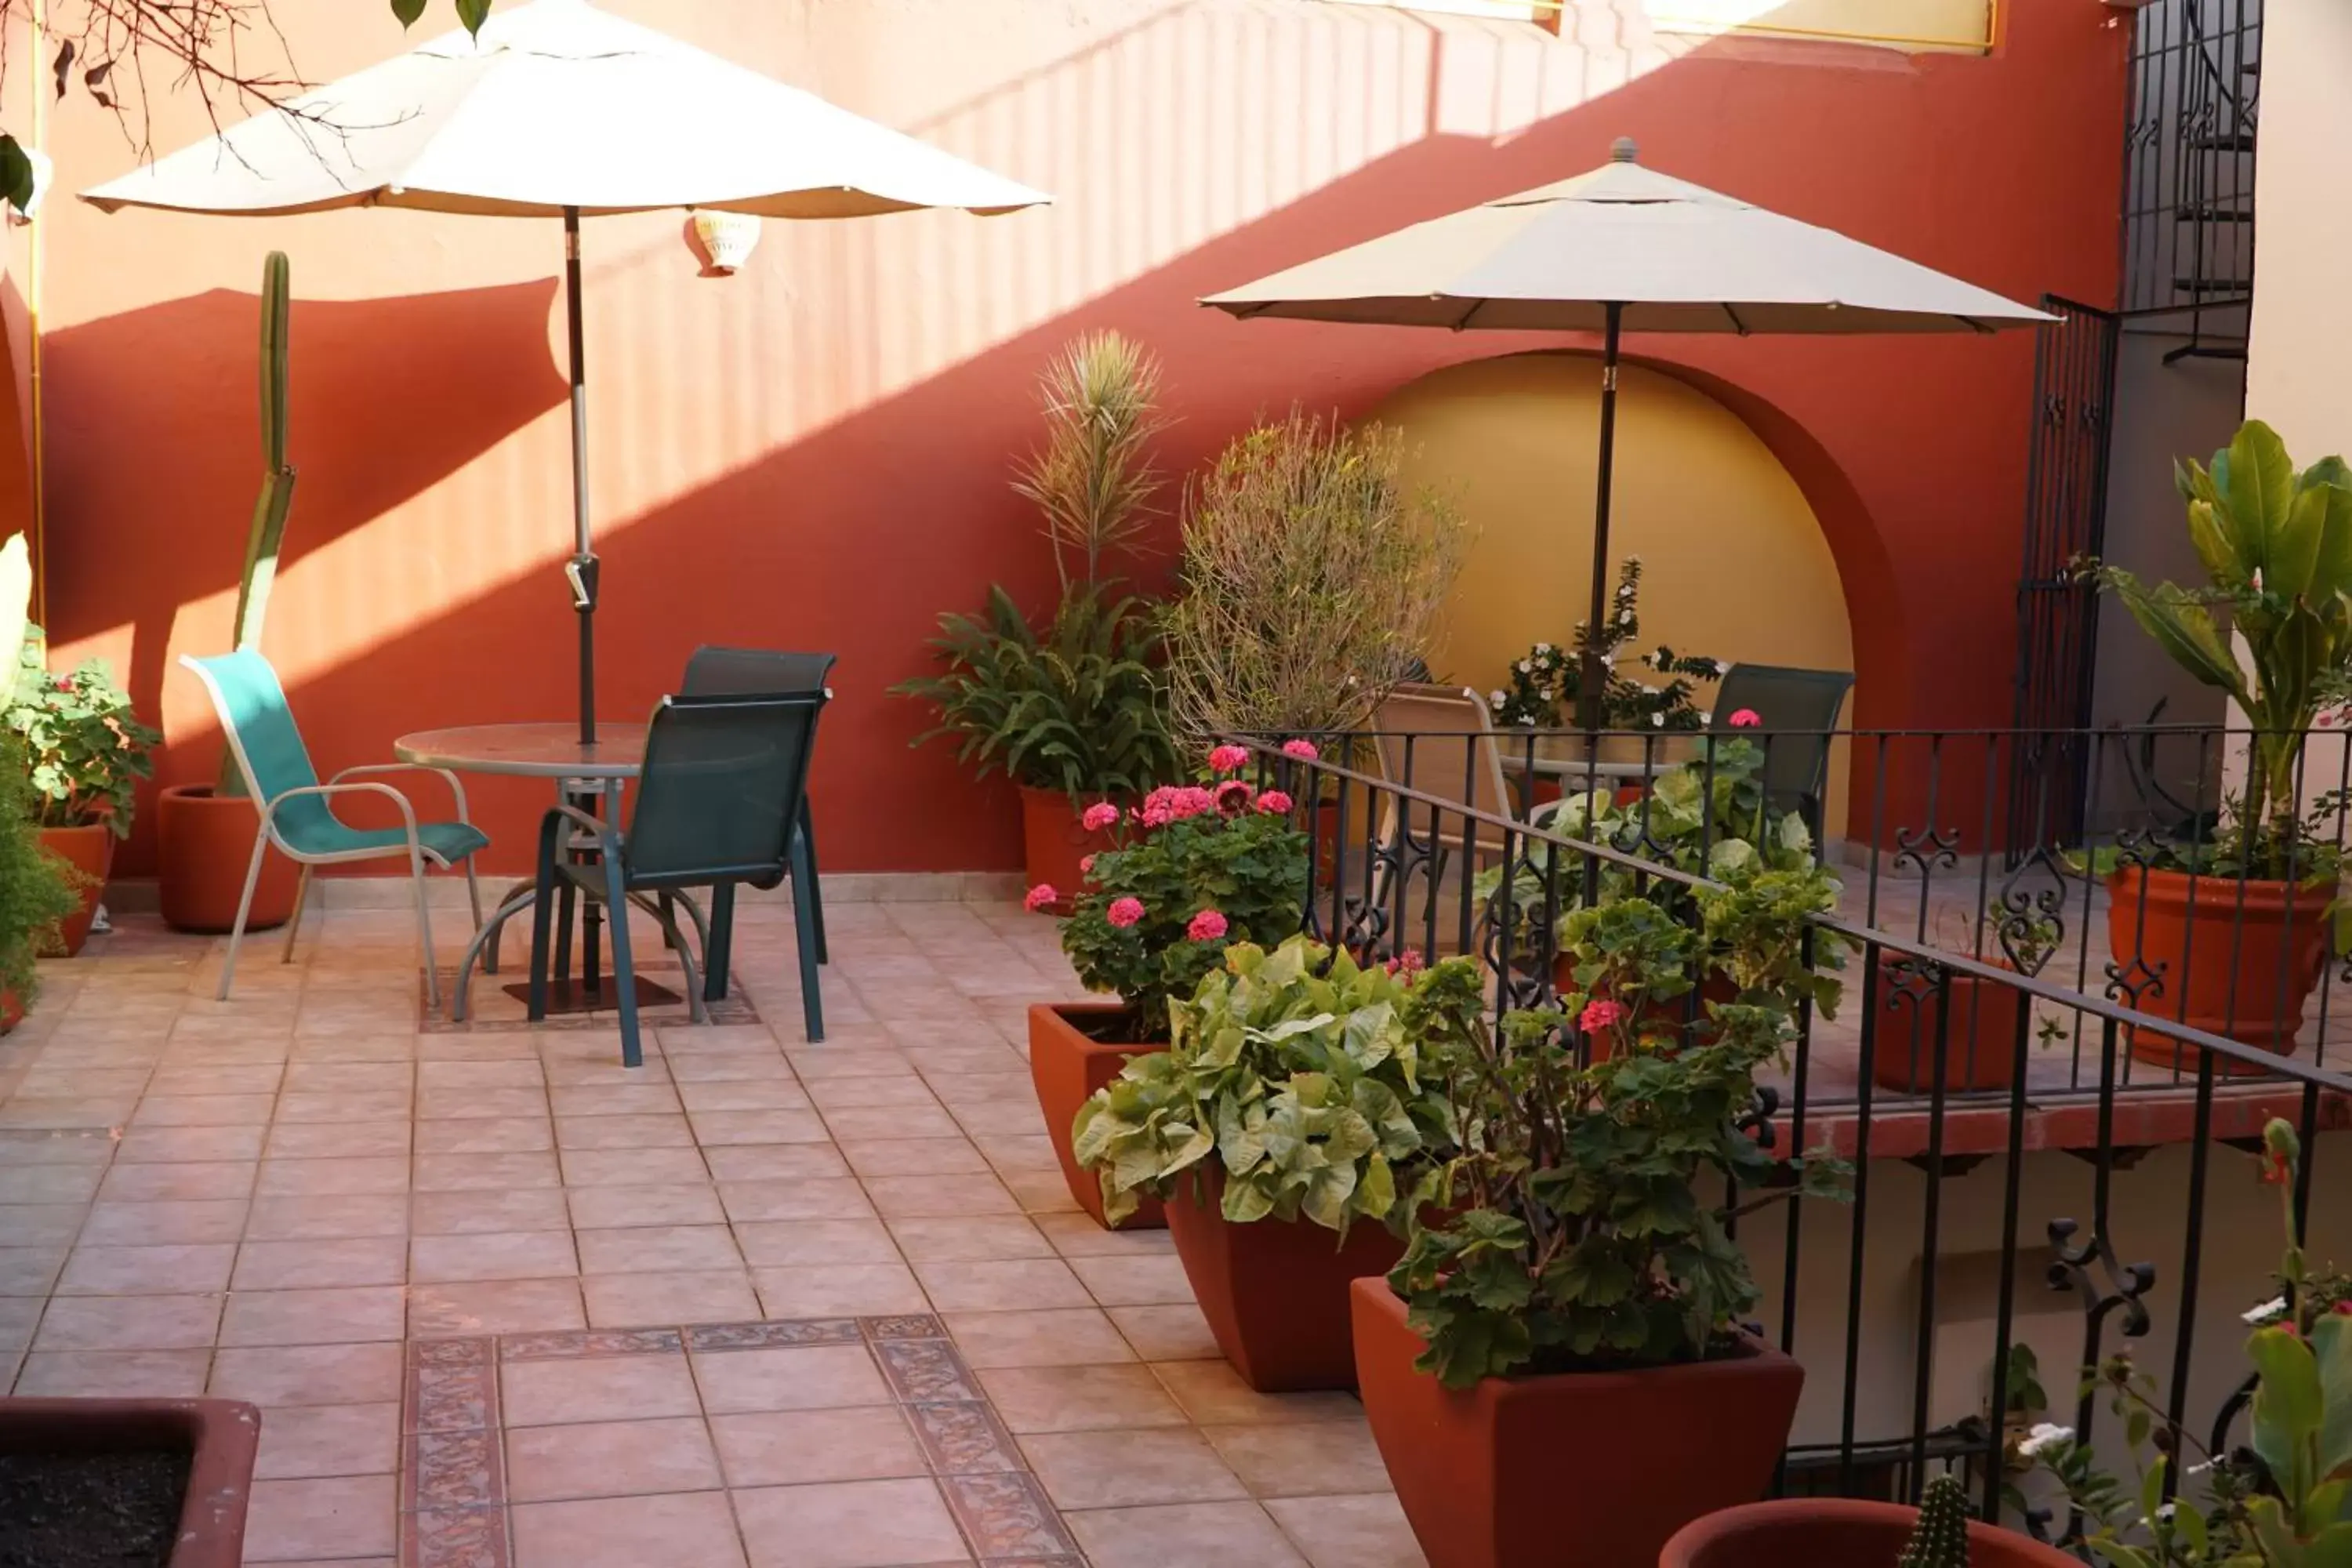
2276 544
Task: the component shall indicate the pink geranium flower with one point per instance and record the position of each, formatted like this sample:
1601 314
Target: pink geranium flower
1405 964
1303 750
1124 912
1100 816
1746 719
1207 926
1273 803
1600 1014
1228 758
1041 898
1086 866
1232 797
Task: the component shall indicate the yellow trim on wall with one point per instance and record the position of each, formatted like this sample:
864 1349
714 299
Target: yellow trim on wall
1980 40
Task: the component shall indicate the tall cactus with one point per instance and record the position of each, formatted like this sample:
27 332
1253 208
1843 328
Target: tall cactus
1940 1538
276 499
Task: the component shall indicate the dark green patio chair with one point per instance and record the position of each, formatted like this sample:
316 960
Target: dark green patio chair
716 803
758 672
1798 709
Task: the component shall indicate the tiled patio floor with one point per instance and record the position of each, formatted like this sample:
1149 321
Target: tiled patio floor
416 1251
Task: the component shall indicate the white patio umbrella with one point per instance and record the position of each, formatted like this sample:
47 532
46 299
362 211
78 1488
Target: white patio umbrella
560 110
1624 248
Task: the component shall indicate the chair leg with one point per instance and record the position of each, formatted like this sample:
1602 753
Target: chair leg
718 947
668 907
815 898
624 974
473 892
807 939
565 896
243 907
542 913
294 923
425 930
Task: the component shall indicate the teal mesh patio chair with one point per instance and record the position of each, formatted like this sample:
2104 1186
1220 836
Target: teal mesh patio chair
756 673
296 813
1796 710
716 803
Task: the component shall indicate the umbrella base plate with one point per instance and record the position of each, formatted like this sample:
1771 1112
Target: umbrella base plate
571 996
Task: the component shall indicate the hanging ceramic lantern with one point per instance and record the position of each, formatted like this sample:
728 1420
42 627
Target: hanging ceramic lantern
727 238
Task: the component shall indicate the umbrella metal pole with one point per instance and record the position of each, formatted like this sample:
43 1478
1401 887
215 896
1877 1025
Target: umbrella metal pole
582 570
1594 678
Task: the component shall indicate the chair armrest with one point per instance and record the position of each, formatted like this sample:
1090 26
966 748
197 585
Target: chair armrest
608 837
329 790
457 789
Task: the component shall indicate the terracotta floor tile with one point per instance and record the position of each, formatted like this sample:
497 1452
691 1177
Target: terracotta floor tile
1069 1336
791 1448
1001 1286
1212 1393
309 1374
872 1089
1301 1458
1078 1236
1134 1281
634 1167
465 1103
349 1516
1122 1469
623 1132
596 1208
836 1058
609 1458
50 1183
1078 1398
177 1181
848 1524
371 1107
778 1091
939 1197
797 1377
158 1109
596 1388
113 1375
1166 1333
376 1173
776 1162
658 1249
128 1323
653 1099
42 1225
213 1079
1366 1532
175 1269
844 1289
1183 1535
486 1135
812 1197
913 1156
491 1172
683 1528
31 1271
333 1217
781 1243
633 1300
731 1068
974 1239
350 1077
328 1440
491 1255
495 1307
312 1317
715 1129
892 1121
523 1074
337 1140
1040 1193
317 1264
488 1211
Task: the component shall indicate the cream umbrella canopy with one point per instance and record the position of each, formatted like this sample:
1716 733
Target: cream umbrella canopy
560 110
1624 248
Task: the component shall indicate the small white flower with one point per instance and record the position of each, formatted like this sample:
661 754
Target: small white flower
1496 698
2199 1469
2268 1312
1625 618
2045 1434
1608 661
1705 718
1657 721
1524 666
1721 668
1543 648
1633 561
2166 1511
2258 580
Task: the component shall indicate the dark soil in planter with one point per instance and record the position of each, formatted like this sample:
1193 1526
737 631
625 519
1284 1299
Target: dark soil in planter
106 1509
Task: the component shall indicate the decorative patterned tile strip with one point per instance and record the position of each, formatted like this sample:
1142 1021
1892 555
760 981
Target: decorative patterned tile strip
963 1437
449 1353
1008 1517
451 1471
451 1387
924 1371
911 1326
735 1007
455 1537
593 1342
764 1336
1036 1563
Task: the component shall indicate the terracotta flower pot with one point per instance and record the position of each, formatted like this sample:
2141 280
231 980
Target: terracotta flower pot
1979 1044
1068 1065
1551 1470
1835 1533
90 850
219 1435
2241 965
1276 1291
1053 843
12 1011
205 843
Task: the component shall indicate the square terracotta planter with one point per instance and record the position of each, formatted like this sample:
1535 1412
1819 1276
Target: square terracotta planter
1592 1468
1067 1064
1276 1291
220 1437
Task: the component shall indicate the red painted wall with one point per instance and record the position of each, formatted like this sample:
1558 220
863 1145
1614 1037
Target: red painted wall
815 453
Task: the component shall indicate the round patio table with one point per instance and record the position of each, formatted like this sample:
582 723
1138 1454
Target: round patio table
587 776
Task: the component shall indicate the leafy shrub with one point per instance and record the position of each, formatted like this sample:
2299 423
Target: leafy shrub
36 888
1303 1074
84 749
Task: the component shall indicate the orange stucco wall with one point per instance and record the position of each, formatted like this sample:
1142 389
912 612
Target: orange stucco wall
815 453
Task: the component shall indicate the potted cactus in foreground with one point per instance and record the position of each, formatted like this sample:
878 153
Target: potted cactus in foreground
1840 1533
204 832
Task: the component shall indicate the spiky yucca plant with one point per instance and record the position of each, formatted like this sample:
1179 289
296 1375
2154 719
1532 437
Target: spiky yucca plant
1940 1538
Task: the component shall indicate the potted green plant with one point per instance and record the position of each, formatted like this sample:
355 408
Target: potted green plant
1843 1532
2235 927
1202 865
84 752
35 886
1076 711
1576 1275
1979 1043
204 832
1541 689
1291 1104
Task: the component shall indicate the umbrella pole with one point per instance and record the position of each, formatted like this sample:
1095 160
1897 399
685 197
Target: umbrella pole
582 570
1594 678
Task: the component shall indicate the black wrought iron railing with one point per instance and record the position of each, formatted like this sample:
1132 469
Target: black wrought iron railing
2040 1098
